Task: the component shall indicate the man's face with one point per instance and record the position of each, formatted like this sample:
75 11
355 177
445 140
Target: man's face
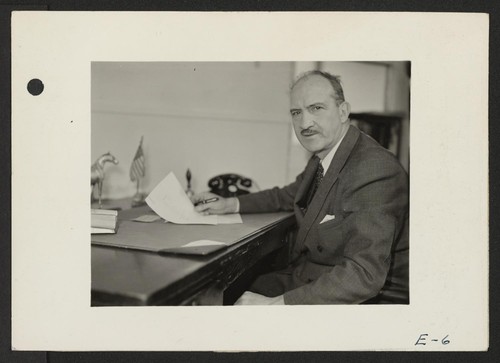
317 120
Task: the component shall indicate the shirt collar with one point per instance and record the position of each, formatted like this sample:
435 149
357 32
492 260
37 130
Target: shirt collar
327 160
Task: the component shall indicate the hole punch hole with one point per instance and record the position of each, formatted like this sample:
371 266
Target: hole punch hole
35 87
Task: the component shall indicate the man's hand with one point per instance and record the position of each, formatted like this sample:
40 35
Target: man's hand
221 206
251 298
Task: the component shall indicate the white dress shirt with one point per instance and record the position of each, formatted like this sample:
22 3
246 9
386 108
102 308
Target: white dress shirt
327 160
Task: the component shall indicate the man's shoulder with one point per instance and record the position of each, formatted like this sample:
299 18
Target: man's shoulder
370 157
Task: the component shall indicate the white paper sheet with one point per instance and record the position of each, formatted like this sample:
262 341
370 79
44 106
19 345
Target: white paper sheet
170 202
229 218
94 230
203 242
147 218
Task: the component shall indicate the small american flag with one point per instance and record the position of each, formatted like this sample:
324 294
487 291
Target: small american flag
138 169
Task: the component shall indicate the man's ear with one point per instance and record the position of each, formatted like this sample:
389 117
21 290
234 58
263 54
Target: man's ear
344 110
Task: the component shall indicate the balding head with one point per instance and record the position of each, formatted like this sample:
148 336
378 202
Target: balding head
338 92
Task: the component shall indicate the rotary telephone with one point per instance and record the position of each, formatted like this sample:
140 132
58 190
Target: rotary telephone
230 185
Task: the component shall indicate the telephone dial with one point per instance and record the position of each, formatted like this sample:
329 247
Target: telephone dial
230 185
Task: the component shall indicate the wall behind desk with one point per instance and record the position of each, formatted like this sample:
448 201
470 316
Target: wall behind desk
210 117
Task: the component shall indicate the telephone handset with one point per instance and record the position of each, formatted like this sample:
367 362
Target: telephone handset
230 185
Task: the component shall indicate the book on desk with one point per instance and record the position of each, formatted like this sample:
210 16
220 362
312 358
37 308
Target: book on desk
103 221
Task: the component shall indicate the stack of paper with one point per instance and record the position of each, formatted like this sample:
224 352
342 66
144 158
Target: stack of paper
170 202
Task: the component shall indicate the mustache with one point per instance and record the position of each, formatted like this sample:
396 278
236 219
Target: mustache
308 131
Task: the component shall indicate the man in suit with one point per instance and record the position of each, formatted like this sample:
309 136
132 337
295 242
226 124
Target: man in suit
351 206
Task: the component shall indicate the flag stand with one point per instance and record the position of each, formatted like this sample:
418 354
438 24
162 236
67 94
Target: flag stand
137 172
138 197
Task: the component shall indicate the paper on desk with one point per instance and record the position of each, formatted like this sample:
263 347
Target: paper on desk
203 242
147 218
229 218
170 202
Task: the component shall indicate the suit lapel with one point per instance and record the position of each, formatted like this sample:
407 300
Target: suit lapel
302 192
329 180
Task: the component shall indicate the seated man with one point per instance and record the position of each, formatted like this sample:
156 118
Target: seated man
351 206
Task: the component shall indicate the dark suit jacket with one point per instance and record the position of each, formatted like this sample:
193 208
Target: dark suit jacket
361 255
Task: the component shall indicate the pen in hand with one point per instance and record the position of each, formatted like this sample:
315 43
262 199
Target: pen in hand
207 201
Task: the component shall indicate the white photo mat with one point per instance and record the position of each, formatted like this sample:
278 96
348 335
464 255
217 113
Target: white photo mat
448 182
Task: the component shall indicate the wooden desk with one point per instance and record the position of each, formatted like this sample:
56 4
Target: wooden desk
130 277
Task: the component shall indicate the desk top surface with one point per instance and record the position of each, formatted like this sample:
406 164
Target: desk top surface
137 275
158 236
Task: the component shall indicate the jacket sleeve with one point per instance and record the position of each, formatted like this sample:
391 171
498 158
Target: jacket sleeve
271 200
374 199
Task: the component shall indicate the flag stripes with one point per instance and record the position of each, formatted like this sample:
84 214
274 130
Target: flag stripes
138 169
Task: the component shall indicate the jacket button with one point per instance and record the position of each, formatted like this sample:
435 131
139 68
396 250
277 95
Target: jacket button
319 248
